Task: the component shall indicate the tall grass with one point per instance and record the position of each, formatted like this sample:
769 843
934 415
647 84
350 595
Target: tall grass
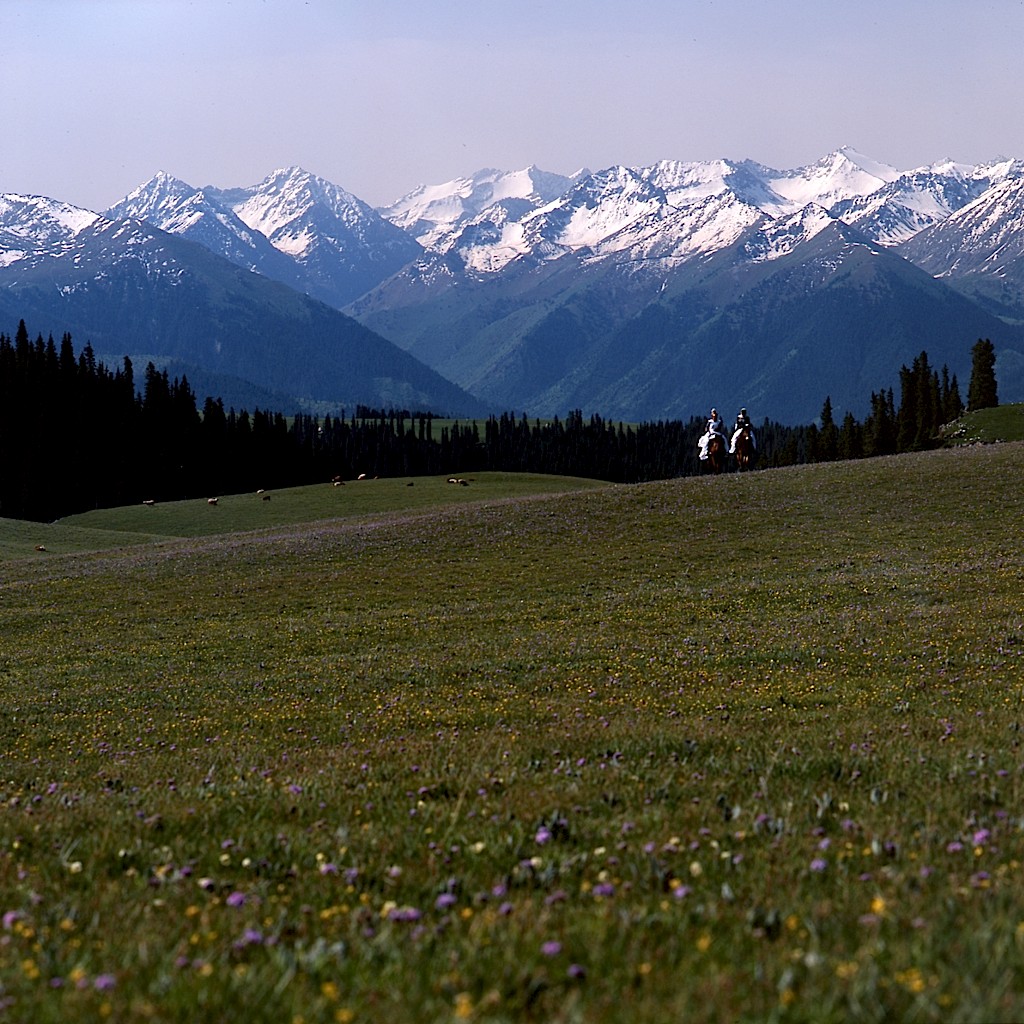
744 748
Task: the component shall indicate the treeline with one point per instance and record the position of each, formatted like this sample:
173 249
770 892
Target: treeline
76 434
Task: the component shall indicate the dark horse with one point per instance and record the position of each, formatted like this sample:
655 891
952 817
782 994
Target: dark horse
716 453
744 450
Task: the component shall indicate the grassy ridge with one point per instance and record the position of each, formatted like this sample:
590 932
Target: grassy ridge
1001 423
709 749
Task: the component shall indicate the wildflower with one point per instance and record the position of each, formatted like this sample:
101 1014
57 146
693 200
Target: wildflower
576 971
551 948
543 836
103 982
819 864
404 914
444 901
235 899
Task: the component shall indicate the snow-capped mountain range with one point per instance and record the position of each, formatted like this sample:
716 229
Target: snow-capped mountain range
470 274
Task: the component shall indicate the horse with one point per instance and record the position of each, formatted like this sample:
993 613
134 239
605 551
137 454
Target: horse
716 453
744 450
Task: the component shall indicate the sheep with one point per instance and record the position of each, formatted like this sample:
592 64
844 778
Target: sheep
149 501
211 501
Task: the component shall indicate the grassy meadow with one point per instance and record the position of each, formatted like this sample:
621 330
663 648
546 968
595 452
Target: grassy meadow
744 748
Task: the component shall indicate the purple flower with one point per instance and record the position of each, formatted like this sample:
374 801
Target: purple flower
250 937
404 914
576 971
444 901
235 899
551 948
604 889
543 836
954 847
104 982
819 864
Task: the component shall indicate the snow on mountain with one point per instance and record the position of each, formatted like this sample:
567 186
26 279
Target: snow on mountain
670 236
984 237
300 213
778 237
669 210
838 176
181 209
33 224
432 213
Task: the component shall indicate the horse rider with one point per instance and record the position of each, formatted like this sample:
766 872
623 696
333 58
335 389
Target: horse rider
742 420
715 426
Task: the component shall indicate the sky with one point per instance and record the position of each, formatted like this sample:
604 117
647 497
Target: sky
379 96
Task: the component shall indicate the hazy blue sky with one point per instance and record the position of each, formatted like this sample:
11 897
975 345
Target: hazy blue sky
382 95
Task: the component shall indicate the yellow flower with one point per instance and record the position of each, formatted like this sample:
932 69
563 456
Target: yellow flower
463 1006
878 906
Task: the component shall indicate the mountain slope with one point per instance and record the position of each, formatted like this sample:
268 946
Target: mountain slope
979 249
127 287
777 315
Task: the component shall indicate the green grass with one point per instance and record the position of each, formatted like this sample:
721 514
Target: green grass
375 499
744 748
1003 423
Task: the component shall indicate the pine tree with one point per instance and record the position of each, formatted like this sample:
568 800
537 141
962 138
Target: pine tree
981 392
828 440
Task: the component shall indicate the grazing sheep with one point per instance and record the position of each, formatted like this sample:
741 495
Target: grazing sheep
362 476
211 501
40 547
149 501
339 483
